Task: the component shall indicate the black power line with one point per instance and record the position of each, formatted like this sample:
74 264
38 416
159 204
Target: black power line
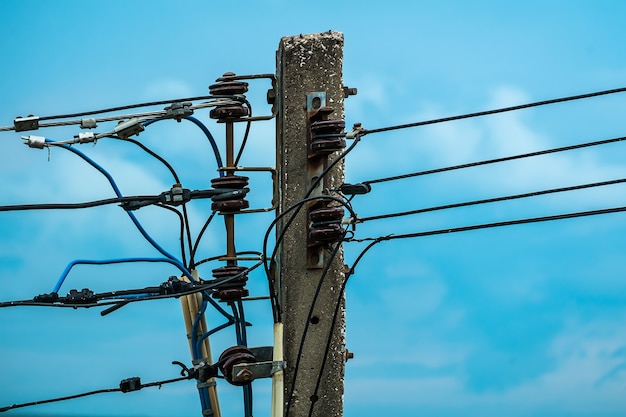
492 225
491 200
127 385
495 111
496 160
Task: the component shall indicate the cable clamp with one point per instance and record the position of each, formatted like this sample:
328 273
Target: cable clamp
177 195
207 384
88 123
22 124
51 298
178 111
278 366
84 296
85 137
130 384
207 412
33 141
128 128
357 129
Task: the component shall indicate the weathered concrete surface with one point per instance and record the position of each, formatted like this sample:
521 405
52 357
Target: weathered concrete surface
305 64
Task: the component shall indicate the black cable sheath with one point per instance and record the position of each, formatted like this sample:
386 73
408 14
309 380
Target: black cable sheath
493 225
86 394
490 200
496 160
495 111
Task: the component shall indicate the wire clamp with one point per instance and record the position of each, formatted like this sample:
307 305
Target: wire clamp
128 128
130 384
22 124
357 129
88 123
176 196
33 141
178 111
85 137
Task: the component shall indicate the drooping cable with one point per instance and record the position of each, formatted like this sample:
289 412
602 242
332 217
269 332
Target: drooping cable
296 209
493 225
496 160
245 135
491 200
126 107
130 214
268 267
75 262
192 255
290 394
90 393
495 111
183 219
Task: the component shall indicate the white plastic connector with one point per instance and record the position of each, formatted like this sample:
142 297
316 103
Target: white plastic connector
33 141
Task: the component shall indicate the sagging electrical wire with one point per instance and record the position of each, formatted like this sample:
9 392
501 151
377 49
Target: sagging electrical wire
494 111
490 200
496 160
134 219
375 241
295 209
194 249
132 384
172 288
126 385
491 225
244 141
204 129
268 266
185 231
290 393
128 202
176 110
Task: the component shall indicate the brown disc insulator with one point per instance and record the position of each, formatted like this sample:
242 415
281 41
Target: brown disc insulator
229 181
228 112
326 214
227 287
228 88
326 233
233 356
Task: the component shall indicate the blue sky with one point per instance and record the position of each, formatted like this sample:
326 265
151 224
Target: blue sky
519 321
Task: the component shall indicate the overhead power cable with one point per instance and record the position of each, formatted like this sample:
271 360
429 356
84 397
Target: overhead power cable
290 394
126 385
493 225
490 200
128 202
32 122
494 111
496 160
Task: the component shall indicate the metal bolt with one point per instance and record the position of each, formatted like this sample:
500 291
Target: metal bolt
349 91
349 355
271 96
245 375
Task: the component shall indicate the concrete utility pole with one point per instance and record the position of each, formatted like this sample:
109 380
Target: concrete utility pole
309 72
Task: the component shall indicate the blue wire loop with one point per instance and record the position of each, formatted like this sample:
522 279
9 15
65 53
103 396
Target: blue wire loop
169 258
73 263
132 216
205 130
